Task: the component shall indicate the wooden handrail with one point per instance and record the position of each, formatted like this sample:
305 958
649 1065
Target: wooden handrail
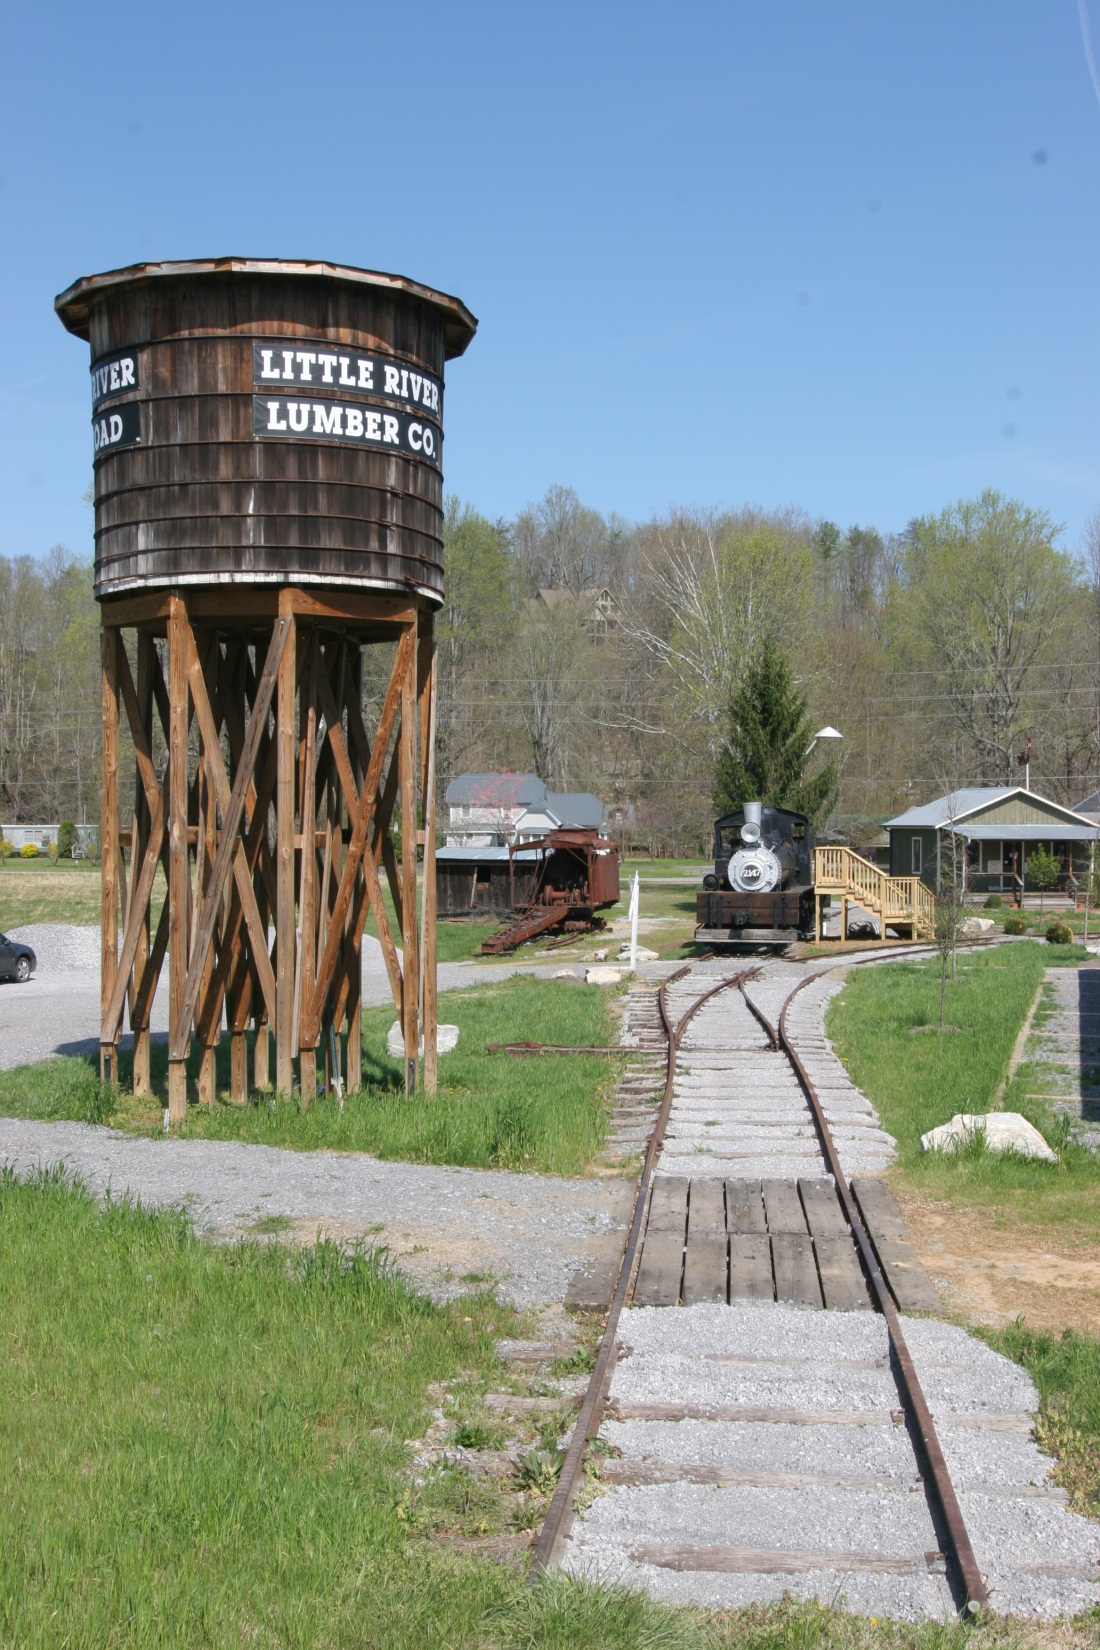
895 899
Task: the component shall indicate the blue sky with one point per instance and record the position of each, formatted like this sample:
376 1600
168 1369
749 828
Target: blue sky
842 256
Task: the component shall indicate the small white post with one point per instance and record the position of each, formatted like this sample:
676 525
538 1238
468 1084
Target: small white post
634 891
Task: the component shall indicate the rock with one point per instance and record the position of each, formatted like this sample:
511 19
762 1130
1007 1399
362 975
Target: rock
446 1038
564 974
642 954
603 976
599 956
976 928
1005 1131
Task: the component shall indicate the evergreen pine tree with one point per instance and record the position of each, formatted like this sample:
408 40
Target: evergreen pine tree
764 754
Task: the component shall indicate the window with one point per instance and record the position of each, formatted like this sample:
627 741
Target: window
918 855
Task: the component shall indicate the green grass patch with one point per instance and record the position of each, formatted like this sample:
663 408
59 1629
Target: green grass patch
207 1446
884 1026
68 891
456 941
1066 1369
492 1111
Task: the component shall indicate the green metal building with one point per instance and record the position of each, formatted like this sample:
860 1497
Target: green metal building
994 829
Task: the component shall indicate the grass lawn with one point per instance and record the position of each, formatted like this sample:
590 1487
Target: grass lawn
208 1446
1002 1205
492 1111
884 1026
36 891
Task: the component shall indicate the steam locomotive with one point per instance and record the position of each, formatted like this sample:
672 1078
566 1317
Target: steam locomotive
761 891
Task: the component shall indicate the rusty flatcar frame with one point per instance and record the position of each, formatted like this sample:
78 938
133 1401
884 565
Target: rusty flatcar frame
273 808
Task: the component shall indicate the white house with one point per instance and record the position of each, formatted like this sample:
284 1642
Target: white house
486 810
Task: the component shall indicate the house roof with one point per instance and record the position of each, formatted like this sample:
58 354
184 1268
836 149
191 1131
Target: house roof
952 806
966 811
496 790
579 810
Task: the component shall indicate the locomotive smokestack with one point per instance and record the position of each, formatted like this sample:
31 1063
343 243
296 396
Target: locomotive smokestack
750 830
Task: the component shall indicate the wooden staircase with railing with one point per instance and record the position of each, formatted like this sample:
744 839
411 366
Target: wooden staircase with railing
902 903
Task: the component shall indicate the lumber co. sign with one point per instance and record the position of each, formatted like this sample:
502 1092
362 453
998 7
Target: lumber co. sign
334 409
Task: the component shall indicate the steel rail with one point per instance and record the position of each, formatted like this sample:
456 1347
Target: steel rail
973 1588
560 1512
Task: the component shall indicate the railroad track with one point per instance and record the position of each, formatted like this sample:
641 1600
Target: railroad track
814 1425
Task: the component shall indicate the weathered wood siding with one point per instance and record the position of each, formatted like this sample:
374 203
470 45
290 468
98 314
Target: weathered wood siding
201 499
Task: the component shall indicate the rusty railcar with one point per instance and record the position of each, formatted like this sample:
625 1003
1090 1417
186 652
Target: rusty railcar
561 881
267 447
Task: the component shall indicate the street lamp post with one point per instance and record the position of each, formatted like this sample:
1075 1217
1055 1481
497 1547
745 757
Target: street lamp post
823 733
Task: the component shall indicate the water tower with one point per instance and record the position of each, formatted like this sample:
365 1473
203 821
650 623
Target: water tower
267 444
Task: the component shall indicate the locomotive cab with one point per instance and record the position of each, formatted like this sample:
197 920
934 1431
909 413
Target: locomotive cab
761 889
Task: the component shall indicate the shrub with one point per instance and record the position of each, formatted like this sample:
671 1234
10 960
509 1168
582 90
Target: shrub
994 902
66 838
29 850
6 848
1060 933
1015 924
51 850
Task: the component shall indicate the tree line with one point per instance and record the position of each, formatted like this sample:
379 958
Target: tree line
608 656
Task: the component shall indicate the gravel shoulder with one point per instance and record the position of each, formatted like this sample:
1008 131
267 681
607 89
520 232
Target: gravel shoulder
452 1231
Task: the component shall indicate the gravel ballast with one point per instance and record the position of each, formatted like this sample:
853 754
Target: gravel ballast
1039 1558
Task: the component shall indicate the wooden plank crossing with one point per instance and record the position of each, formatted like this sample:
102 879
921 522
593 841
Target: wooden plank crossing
733 1240
910 1284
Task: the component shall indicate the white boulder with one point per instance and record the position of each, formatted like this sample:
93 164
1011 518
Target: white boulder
446 1038
642 954
976 928
602 976
1005 1131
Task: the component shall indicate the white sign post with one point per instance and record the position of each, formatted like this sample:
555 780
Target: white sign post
634 922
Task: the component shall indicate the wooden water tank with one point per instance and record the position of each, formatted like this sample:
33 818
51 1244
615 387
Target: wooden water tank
266 422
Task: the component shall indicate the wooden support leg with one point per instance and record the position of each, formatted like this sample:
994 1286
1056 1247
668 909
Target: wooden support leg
428 995
207 835
260 1046
355 969
142 1080
179 876
109 642
284 856
238 1068
307 1054
410 968
208 1080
